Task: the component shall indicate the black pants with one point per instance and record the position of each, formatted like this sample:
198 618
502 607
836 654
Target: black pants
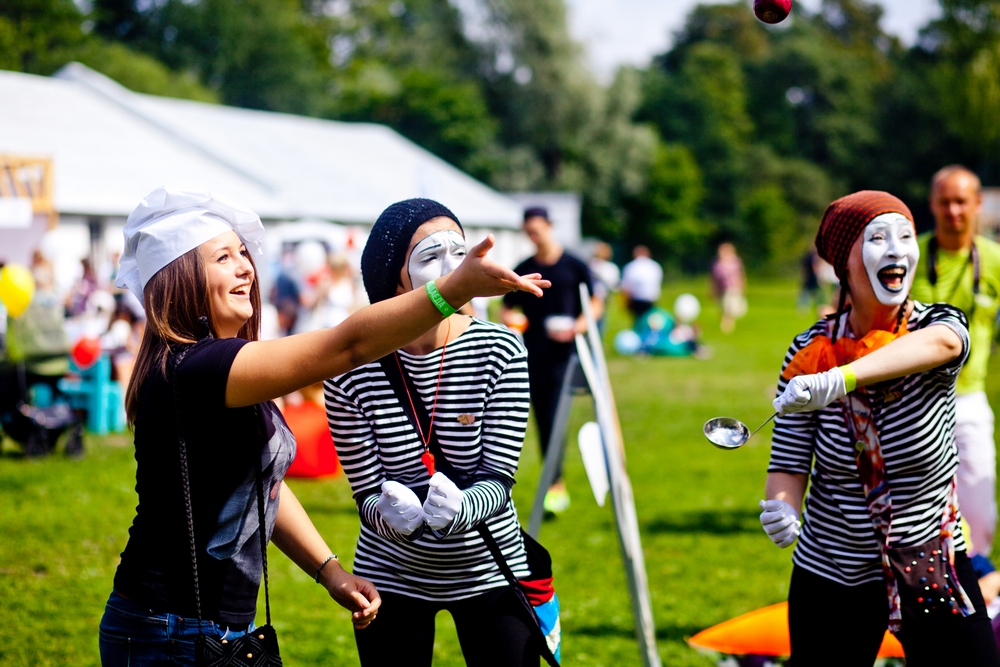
639 307
545 380
492 630
833 625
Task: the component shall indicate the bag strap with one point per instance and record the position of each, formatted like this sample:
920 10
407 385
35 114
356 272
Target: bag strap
186 488
400 382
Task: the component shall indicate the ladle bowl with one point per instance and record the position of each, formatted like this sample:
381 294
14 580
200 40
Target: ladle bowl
729 433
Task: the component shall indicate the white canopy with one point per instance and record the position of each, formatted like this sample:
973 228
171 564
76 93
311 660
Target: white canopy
110 147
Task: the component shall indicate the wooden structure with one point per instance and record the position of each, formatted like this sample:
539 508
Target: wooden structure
31 178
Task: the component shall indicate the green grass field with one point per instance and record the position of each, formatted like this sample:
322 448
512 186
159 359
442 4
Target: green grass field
64 522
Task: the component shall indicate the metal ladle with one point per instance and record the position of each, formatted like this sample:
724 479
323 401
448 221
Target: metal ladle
729 433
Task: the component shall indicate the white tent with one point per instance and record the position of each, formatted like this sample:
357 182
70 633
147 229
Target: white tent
110 147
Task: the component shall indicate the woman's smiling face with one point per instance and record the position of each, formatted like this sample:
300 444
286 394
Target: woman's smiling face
230 276
436 249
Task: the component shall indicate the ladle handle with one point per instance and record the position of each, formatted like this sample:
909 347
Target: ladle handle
766 422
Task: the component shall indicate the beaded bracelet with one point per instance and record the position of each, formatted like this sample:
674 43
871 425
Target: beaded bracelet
438 300
323 564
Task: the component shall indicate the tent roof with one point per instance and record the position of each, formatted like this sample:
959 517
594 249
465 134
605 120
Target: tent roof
111 146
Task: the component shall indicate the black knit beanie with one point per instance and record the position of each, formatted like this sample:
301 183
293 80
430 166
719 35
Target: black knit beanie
385 251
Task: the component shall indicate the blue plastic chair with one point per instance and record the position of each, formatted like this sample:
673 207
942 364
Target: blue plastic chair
95 392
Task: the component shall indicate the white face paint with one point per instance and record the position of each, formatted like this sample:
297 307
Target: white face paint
437 254
890 254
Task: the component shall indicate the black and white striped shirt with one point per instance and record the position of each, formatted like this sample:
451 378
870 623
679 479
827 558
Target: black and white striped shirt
915 418
485 377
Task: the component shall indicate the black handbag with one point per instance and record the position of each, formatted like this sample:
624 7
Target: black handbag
259 647
539 561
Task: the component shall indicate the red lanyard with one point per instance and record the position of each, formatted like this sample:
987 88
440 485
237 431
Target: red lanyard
427 458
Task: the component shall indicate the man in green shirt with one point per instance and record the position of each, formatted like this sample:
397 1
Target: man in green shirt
960 267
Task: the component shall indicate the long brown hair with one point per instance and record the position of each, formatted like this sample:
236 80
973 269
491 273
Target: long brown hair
175 299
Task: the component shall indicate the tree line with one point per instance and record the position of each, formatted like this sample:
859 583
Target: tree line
740 131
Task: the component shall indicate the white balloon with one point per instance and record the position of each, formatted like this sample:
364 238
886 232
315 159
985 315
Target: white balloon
687 308
309 257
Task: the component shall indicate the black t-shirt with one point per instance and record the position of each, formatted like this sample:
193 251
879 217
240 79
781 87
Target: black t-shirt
563 298
155 568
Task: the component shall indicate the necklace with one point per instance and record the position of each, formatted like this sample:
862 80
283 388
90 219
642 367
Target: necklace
428 457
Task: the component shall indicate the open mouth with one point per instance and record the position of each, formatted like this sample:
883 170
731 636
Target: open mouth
241 291
892 277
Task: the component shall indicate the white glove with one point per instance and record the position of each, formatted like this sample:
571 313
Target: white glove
400 507
780 522
811 392
444 499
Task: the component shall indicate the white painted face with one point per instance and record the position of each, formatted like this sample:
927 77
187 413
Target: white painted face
437 254
890 254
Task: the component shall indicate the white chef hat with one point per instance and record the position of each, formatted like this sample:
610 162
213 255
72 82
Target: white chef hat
168 223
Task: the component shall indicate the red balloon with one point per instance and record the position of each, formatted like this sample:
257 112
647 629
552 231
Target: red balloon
772 11
86 352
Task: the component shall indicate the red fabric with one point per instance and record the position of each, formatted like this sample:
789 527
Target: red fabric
315 454
845 219
538 591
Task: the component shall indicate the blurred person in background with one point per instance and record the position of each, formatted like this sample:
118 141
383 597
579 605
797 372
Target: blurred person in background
551 324
38 337
607 276
85 285
642 279
286 296
333 298
962 268
729 282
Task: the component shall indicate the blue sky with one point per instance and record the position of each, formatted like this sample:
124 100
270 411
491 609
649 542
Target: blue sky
617 32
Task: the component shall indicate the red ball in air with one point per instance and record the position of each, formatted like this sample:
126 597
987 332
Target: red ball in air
772 11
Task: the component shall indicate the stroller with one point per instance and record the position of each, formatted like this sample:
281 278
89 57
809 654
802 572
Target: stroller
33 357
37 428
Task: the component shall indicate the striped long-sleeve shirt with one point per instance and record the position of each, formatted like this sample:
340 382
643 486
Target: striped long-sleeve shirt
480 420
915 418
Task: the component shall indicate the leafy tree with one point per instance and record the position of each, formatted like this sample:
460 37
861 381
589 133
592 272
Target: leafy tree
665 214
37 35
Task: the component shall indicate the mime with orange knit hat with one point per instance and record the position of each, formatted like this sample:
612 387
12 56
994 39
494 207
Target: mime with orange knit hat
866 418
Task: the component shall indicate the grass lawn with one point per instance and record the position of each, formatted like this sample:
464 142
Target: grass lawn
64 522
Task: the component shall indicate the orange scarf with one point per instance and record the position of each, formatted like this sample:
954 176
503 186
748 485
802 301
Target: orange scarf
821 354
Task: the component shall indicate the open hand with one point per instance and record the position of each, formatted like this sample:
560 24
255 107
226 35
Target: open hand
478 275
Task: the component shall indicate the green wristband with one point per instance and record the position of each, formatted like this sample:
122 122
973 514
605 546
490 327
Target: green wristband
438 300
850 379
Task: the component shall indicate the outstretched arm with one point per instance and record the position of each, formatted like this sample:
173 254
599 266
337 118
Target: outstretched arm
264 370
916 352
297 537
913 353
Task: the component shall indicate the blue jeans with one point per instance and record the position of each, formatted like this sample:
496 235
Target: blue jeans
132 636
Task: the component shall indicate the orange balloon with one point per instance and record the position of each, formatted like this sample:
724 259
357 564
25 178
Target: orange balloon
765 632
